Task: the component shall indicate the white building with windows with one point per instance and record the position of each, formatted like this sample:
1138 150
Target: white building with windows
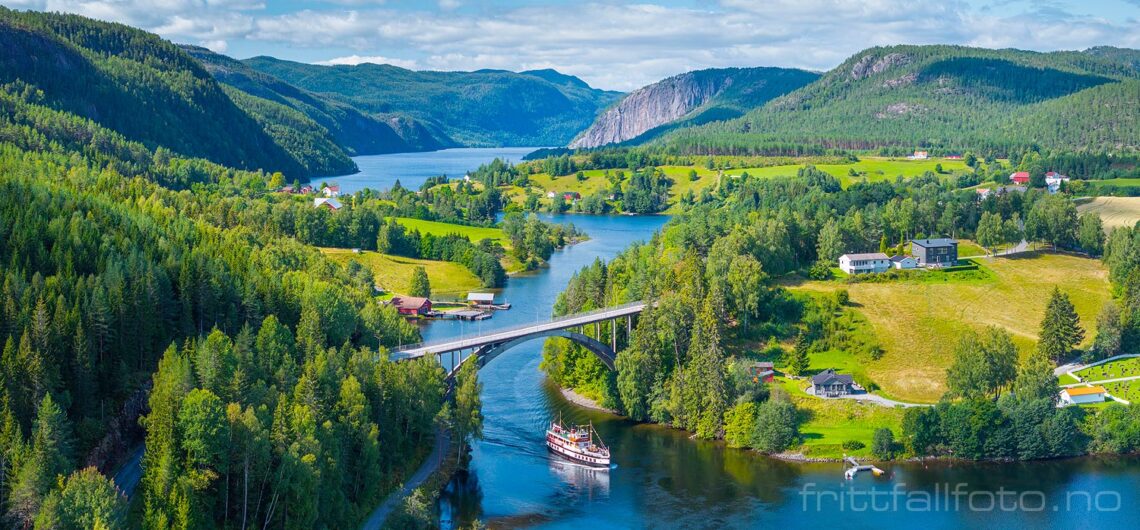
863 263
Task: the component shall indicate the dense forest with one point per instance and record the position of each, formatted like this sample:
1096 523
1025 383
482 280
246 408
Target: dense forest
483 108
712 274
945 98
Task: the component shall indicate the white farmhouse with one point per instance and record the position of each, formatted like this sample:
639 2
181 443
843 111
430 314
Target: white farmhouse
1053 181
861 263
1083 394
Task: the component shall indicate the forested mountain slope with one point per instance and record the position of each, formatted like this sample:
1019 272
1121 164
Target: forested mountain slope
146 89
943 97
689 99
358 133
482 108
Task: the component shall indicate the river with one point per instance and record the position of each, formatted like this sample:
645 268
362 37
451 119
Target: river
665 479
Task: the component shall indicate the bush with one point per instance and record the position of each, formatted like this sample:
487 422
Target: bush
842 297
821 270
853 445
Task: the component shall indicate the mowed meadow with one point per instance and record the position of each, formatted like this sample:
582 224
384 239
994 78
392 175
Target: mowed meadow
394 273
918 323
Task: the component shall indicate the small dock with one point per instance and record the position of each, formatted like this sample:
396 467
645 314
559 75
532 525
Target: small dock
486 301
855 468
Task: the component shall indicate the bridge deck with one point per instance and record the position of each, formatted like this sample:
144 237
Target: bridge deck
503 335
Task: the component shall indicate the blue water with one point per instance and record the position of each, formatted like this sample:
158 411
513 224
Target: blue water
665 479
380 172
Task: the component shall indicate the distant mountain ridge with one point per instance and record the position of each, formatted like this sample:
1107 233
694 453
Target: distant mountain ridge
944 97
688 99
480 108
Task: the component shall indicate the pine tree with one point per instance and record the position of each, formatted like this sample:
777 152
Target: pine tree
420 286
1061 329
49 456
799 361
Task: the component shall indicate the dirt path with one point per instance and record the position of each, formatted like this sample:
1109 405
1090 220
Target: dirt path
430 464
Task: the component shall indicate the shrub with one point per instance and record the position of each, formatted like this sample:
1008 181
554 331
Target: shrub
883 444
853 445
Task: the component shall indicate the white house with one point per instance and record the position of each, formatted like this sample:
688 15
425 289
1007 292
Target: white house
1053 181
904 262
861 263
551 195
920 155
323 202
331 191
1083 394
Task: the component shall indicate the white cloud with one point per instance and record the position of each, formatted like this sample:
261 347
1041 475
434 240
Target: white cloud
612 44
354 60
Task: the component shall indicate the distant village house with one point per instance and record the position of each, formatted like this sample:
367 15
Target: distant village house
864 263
1053 181
325 202
920 155
904 262
935 252
1021 177
411 305
830 384
331 191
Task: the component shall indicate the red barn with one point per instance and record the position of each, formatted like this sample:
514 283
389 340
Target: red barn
1021 177
411 305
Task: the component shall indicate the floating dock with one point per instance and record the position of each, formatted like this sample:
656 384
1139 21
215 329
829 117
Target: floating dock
849 473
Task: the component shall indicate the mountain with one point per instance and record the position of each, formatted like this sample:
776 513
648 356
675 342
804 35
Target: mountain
358 133
481 108
692 98
943 97
70 70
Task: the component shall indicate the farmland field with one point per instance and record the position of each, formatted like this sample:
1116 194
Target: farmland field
918 323
1114 211
394 273
474 233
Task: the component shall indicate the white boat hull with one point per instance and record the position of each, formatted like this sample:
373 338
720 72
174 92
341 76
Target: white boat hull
572 452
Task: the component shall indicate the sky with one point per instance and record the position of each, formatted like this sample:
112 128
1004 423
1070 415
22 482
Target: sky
609 44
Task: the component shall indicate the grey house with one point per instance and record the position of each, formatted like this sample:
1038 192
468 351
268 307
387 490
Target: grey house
830 384
935 252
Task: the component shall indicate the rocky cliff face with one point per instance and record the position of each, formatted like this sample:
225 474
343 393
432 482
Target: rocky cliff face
652 106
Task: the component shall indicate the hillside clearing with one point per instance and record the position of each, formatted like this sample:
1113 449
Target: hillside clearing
827 423
1114 211
394 273
918 323
474 233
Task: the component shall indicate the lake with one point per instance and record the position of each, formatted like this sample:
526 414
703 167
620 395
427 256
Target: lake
665 479
380 172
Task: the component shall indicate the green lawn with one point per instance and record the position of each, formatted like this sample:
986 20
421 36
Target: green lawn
1066 379
1114 370
474 233
827 423
918 322
394 273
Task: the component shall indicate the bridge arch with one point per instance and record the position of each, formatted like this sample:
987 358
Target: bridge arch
489 352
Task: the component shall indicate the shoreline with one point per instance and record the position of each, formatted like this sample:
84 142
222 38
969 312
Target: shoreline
583 401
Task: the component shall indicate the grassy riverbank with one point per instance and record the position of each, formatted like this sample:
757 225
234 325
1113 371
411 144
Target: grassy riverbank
394 273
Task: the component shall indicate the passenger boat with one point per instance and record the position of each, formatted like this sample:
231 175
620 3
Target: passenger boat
579 443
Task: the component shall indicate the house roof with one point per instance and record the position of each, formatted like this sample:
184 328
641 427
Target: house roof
409 302
933 243
899 258
335 204
1020 174
1086 390
480 297
871 255
829 377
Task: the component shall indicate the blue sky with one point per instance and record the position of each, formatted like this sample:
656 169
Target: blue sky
610 44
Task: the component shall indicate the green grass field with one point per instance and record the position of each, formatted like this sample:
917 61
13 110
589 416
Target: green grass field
870 169
918 323
394 273
1113 370
1114 211
1066 379
474 233
827 423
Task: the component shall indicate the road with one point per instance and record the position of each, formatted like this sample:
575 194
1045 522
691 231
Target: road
572 321
1021 247
128 476
430 464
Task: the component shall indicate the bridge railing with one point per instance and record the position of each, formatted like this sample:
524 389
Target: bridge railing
513 329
